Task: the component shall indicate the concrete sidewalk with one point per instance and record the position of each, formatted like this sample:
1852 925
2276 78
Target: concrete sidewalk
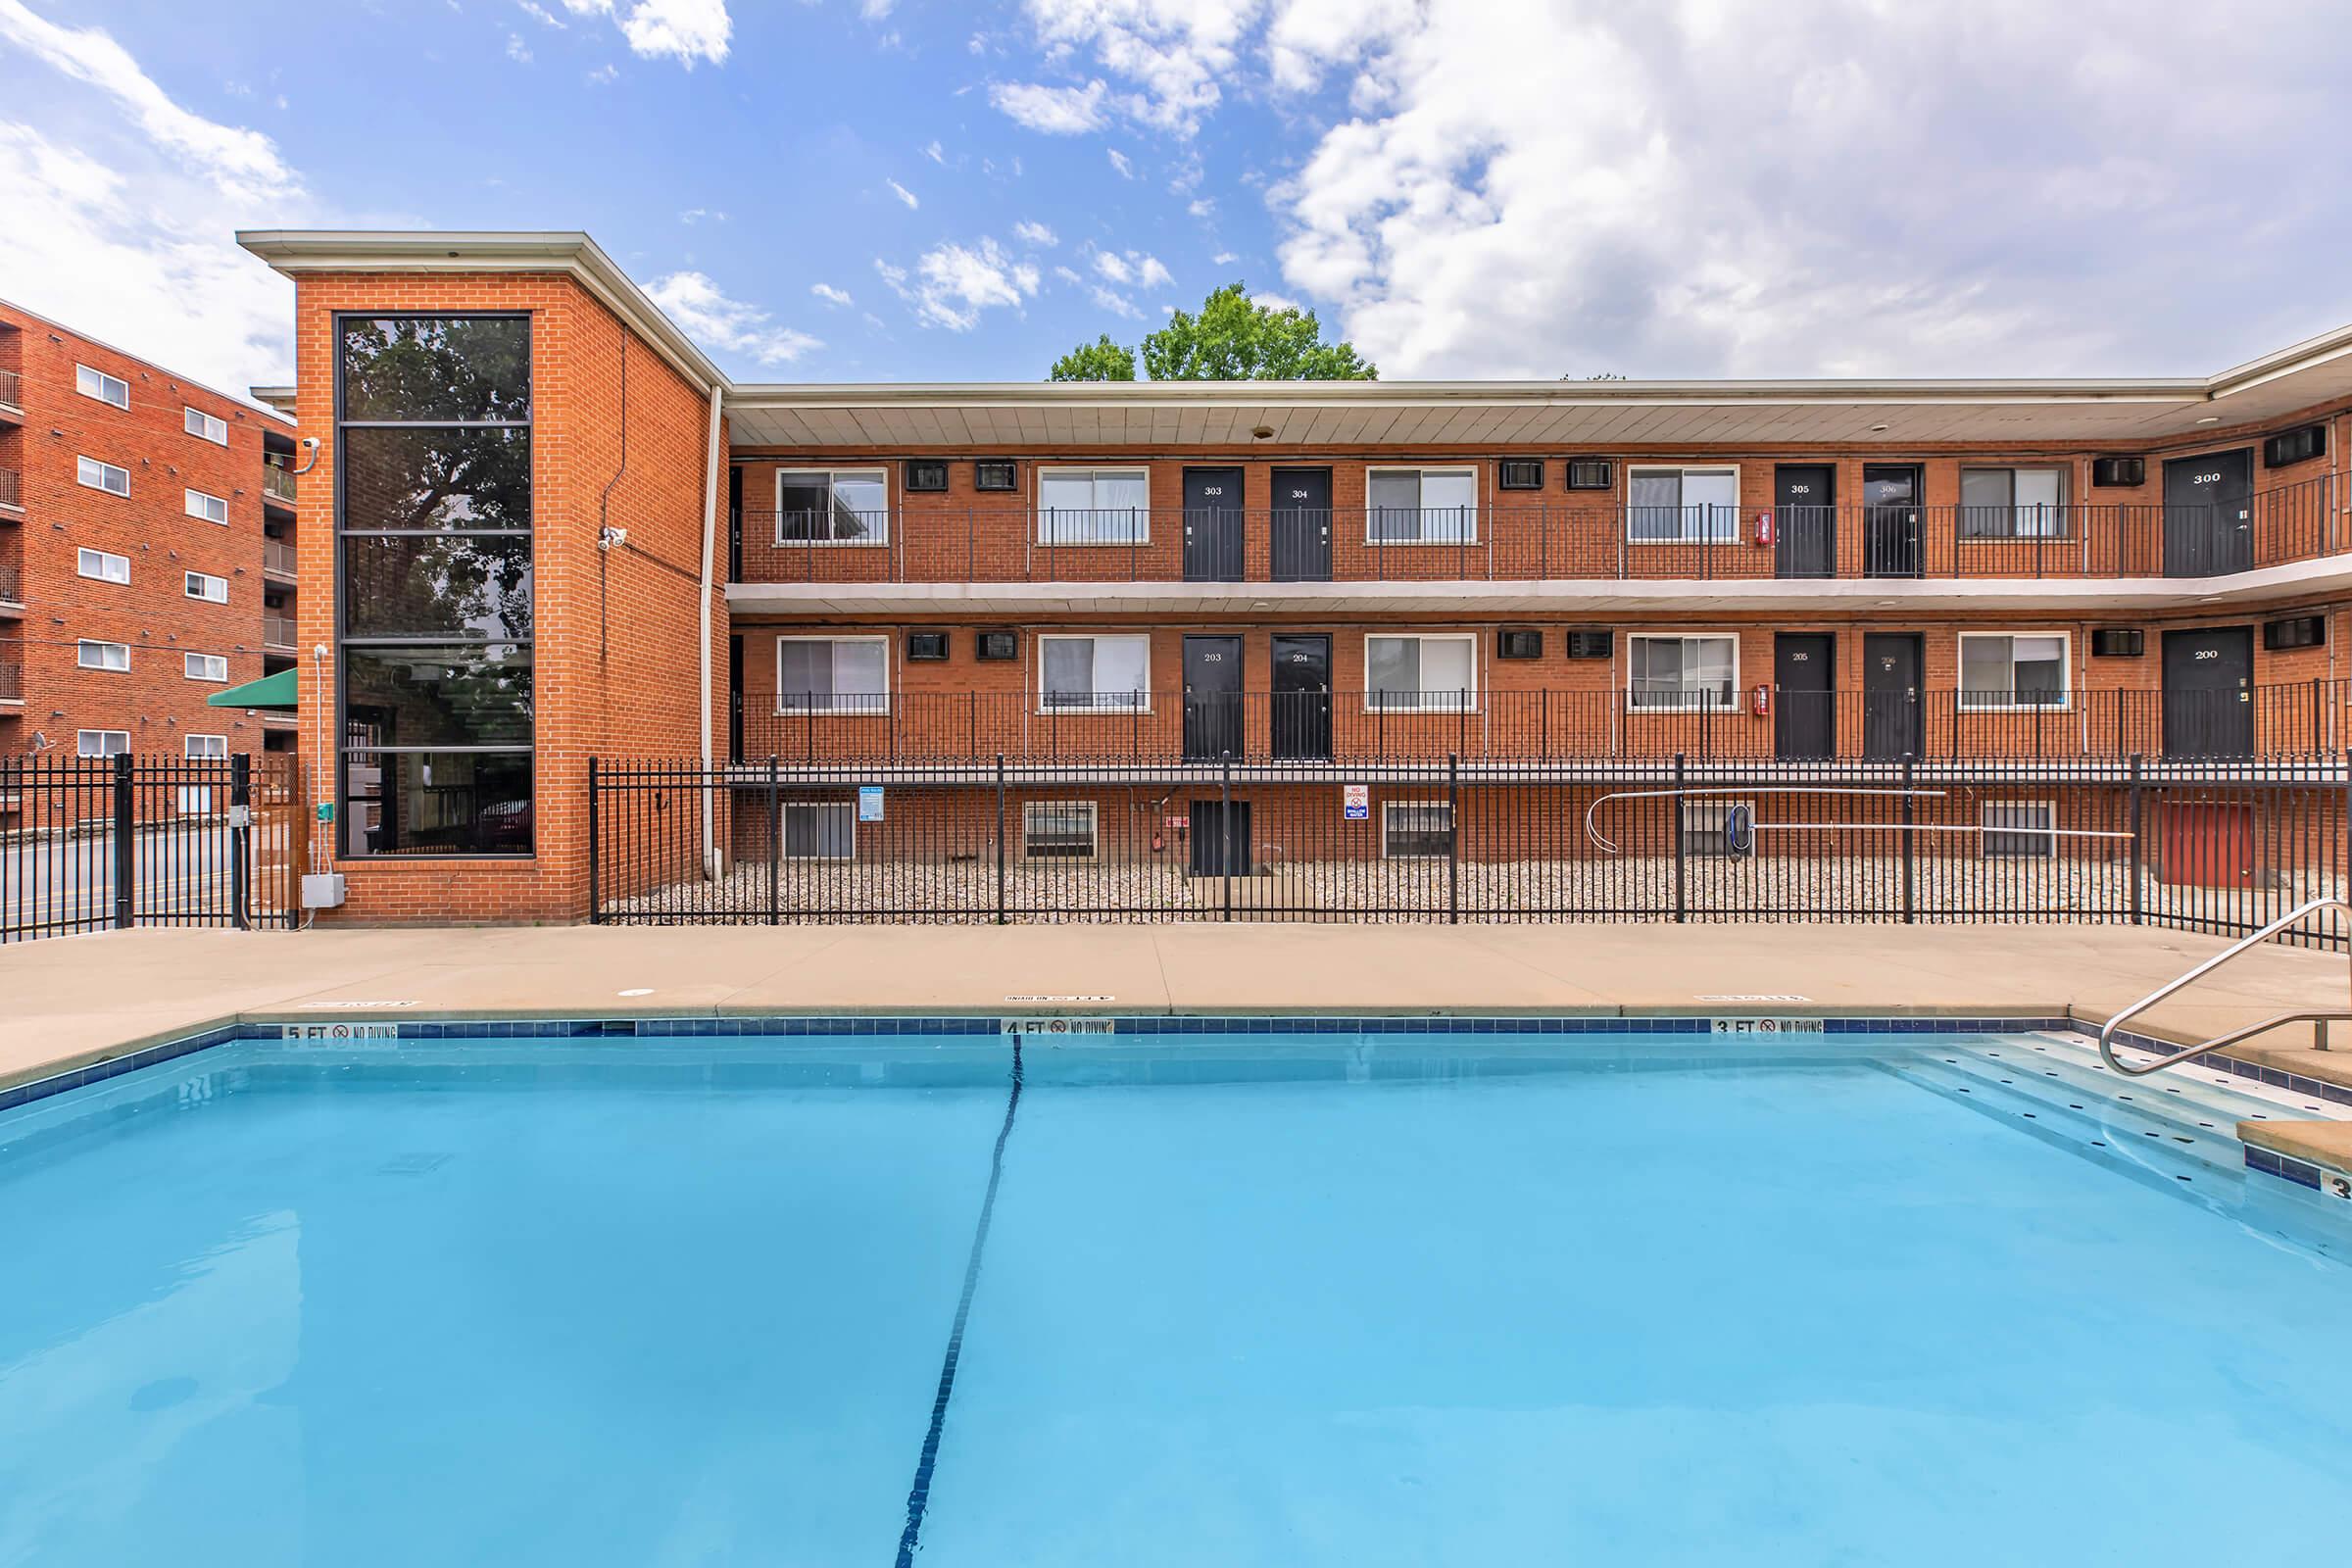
73 1000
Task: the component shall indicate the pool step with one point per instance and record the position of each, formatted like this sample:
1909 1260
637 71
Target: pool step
2073 1112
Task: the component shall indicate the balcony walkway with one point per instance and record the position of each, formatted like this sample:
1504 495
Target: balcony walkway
68 1005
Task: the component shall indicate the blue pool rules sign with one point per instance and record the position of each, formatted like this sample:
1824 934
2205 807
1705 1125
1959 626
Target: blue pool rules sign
1356 801
869 803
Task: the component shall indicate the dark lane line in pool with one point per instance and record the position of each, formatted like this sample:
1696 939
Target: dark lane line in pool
918 1498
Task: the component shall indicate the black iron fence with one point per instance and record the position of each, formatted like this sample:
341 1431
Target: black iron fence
94 843
2282 720
2216 849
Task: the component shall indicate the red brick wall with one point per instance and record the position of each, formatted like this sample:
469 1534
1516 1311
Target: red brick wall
616 675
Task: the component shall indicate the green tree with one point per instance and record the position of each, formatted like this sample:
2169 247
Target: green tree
1233 338
1098 360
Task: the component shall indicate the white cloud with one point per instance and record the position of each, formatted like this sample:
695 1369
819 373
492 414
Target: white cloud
1121 162
1055 111
701 214
1116 303
936 153
516 50
1133 268
1067 275
829 294
1276 302
1029 232
876 10
704 313
1202 206
903 193
539 13
686 30
1223 259
954 283
603 75
1175 52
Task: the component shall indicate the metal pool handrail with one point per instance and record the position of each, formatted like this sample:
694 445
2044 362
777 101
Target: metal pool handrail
2292 917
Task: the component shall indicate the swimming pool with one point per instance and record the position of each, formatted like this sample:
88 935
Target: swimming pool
1247 1299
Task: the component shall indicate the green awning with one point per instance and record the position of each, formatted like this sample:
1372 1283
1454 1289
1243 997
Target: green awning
271 691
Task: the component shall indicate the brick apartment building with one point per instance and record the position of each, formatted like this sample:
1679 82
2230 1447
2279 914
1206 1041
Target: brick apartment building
1146 611
146 555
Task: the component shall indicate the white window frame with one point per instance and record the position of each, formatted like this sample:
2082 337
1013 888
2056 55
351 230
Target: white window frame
189 500
1473 471
87 645
188 751
201 424
881 473
1059 709
1687 701
1446 702
1387 828
1094 470
2060 512
84 555
1702 820
849 811
189 580
188 667
82 743
1683 536
2066 670
84 467
2049 835
1094 828
866 708
101 382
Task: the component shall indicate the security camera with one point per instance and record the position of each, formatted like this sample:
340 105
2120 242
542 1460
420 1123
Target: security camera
311 441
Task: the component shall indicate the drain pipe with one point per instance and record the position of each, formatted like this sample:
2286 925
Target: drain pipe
709 545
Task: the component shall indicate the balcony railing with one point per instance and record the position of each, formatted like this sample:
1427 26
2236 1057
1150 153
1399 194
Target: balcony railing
278 556
12 586
11 389
12 492
1515 541
2292 721
12 683
277 483
278 631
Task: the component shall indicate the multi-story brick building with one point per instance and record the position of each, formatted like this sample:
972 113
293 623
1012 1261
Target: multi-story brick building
564 534
146 555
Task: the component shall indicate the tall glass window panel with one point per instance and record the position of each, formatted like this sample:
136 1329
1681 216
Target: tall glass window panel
411 477
438 802
461 369
458 585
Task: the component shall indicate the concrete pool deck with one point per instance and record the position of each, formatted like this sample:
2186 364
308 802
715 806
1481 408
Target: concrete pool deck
71 1002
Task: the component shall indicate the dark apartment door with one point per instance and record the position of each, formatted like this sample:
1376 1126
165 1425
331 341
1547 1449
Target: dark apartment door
1212 525
1302 530
1301 684
1804 521
1892 533
2208 692
1804 708
1220 834
2209 514
1890 697
735 699
1212 698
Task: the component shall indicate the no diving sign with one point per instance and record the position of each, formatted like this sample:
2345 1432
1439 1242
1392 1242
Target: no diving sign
1356 801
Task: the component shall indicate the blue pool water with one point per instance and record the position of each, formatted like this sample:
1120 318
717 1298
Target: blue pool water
1357 1301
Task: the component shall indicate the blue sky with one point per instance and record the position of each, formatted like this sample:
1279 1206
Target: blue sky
898 190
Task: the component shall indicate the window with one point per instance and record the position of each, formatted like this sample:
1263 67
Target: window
101 742
205 426
1421 674
1682 673
832 507
206 748
1719 827
1093 507
819 831
102 386
102 656
1420 505
1416 830
208 509
2013 669
102 477
102 565
2012 502
1682 506
2027 828
205 666
207 587
1095 674
1057 830
832 676
434 592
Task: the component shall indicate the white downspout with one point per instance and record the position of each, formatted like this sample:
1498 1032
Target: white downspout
710 867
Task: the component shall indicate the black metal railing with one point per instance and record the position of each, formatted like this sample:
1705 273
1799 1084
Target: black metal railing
94 843
2287 721
1534 541
12 682
1445 840
12 585
11 389
12 492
